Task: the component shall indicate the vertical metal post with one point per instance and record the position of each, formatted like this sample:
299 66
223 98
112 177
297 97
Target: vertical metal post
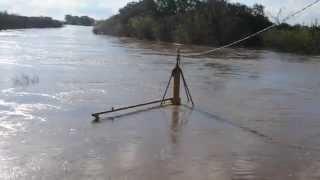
176 87
176 82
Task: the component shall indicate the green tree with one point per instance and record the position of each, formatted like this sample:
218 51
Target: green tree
168 7
143 27
209 22
76 20
176 6
258 10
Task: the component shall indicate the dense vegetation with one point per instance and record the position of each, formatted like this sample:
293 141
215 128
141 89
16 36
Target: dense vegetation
209 22
299 39
11 21
76 20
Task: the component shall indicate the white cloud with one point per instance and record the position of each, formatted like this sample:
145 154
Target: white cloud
58 8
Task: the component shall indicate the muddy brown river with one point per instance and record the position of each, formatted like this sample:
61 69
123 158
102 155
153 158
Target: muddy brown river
256 116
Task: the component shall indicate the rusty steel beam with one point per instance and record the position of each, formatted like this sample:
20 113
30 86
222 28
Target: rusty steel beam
96 115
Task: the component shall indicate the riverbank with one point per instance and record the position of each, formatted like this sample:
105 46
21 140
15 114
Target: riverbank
12 21
214 23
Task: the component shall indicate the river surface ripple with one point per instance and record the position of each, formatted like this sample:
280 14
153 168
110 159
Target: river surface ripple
256 114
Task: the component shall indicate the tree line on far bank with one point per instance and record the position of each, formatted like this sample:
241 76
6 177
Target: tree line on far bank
79 20
12 21
207 22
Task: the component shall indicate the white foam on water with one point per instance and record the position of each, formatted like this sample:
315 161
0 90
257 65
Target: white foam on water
24 110
78 95
15 116
11 91
14 64
61 96
5 91
8 127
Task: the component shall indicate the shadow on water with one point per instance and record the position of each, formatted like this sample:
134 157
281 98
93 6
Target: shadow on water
265 137
223 120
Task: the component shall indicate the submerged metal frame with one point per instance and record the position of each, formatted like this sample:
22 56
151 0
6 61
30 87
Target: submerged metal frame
176 75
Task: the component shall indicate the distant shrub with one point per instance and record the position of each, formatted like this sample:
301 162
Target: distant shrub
298 39
12 21
116 30
82 20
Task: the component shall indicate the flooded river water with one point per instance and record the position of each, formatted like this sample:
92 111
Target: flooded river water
256 114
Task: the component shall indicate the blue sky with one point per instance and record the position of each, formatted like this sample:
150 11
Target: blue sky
102 9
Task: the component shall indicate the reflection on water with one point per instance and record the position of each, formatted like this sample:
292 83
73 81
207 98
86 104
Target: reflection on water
179 119
175 125
256 114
